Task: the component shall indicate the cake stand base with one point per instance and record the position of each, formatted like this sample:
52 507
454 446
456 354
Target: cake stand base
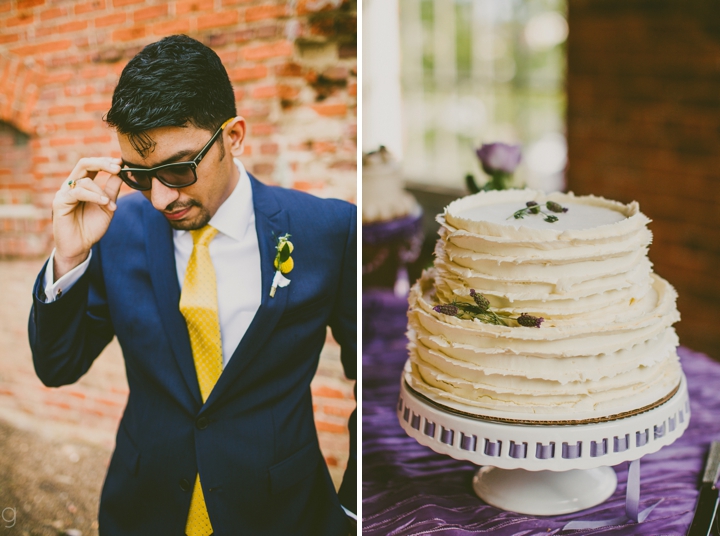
544 493
543 469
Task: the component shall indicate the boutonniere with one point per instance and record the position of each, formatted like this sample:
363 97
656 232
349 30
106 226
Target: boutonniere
283 263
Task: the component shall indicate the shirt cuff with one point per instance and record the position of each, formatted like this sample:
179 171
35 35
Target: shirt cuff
55 290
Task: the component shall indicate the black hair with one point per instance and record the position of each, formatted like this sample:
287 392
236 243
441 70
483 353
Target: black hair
171 83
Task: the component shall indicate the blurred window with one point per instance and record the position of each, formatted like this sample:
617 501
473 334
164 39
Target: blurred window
480 71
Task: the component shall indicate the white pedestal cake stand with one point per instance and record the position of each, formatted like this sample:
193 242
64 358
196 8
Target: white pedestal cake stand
543 469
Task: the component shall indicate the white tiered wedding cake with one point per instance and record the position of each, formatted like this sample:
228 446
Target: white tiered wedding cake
551 315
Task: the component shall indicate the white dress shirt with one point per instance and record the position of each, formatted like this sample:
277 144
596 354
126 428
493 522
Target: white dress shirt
235 256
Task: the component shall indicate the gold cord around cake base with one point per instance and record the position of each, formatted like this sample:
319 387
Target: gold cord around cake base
481 417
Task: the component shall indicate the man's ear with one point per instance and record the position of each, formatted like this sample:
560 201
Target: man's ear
236 132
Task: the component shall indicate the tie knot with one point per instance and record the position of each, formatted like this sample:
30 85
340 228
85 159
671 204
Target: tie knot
203 236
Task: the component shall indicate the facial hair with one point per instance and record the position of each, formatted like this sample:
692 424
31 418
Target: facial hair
203 217
199 221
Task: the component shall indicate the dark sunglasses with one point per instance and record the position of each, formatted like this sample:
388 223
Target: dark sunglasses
175 175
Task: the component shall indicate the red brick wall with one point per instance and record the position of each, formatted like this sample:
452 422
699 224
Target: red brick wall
15 177
644 124
292 63
23 227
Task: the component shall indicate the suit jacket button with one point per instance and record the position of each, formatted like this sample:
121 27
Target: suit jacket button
202 422
184 484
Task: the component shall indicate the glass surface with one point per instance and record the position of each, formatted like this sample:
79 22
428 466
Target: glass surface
173 175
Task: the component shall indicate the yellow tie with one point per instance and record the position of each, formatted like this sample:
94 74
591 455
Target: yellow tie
198 304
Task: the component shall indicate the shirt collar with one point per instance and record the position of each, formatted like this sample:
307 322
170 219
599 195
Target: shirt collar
235 214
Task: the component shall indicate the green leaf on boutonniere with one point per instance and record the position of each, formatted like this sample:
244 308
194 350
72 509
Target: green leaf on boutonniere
284 253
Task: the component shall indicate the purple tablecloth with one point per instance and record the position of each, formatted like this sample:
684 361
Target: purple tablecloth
408 489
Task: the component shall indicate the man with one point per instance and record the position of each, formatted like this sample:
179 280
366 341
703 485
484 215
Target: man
219 290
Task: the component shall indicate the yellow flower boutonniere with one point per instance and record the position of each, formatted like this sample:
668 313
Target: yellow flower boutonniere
283 263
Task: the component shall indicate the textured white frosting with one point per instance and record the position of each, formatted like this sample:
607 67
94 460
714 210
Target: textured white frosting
606 346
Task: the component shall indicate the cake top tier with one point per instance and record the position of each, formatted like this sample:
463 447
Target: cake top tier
380 163
587 217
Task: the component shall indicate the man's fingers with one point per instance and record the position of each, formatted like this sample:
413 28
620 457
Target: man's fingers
87 191
86 183
89 167
112 187
89 184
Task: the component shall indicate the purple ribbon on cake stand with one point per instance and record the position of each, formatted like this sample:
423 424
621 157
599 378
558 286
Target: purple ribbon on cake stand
632 505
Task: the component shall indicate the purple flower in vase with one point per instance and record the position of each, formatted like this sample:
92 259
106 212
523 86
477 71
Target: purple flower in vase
499 158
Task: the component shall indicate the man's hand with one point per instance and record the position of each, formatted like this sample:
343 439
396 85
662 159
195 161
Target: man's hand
82 214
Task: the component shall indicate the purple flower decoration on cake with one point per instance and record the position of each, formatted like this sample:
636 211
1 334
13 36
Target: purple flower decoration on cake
446 309
555 207
481 301
480 310
499 158
530 321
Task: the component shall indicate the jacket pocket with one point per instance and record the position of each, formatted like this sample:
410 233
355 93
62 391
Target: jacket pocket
294 469
126 451
305 310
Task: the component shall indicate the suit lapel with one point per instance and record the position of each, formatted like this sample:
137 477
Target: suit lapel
163 274
270 222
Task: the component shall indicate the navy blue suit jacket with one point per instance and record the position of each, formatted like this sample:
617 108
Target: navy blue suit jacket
254 441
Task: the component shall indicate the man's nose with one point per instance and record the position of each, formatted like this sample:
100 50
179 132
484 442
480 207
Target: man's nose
161 196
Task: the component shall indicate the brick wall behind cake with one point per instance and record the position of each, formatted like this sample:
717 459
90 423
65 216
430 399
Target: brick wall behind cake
643 120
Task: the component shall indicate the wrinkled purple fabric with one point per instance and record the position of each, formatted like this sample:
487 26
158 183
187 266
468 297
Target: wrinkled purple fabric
408 489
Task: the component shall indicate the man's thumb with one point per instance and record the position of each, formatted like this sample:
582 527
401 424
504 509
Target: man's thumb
112 187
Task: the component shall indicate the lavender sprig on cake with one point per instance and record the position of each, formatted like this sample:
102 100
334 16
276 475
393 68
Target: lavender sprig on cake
481 311
532 207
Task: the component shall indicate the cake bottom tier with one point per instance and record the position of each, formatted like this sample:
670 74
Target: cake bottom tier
559 409
587 371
